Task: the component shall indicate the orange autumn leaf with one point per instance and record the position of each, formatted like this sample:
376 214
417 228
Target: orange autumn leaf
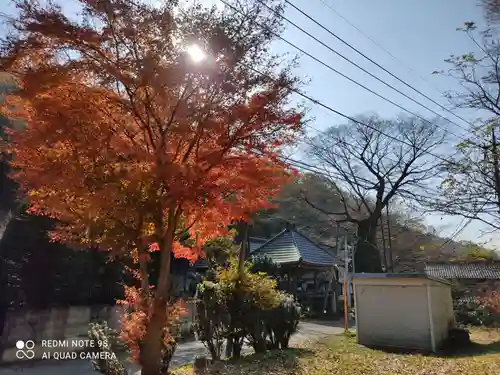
129 144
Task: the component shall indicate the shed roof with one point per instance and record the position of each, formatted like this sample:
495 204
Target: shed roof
470 270
398 276
290 246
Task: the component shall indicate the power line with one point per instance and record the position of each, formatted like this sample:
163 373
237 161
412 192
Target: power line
338 72
314 169
328 173
457 231
327 107
358 66
325 3
375 63
317 170
464 226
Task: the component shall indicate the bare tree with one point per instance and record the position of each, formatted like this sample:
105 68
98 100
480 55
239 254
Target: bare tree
491 10
472 187
366 169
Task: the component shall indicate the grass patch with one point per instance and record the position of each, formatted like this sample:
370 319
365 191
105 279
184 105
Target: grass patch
481 358
342 355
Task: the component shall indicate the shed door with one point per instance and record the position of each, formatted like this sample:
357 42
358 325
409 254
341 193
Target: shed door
393 316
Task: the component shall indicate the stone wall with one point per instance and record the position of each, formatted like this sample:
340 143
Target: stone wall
61 323
57 323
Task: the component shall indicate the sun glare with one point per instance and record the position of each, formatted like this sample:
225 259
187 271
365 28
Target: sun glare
196 53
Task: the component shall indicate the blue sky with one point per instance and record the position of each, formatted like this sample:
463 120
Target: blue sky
420 34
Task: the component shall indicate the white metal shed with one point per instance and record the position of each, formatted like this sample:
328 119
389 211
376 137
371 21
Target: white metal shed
411 311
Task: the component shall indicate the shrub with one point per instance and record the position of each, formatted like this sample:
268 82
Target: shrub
248 296
212 320
282 321
108 341
234 308
475 309
491 302
470 311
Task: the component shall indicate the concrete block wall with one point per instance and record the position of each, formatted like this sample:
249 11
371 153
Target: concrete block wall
64 323
37 325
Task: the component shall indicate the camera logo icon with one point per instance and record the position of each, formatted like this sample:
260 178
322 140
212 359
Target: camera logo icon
25 349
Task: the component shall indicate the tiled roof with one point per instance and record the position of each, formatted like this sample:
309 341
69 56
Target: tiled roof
290 246
255 243
471 270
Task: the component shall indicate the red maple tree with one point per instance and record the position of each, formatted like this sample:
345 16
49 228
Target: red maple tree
129 142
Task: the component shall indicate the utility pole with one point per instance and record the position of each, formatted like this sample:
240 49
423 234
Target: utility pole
389 237
332 277
346 270
496 167
337 240
384 248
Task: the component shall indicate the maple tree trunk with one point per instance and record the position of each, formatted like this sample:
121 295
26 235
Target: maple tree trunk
367 256
243 248
143 271
151 350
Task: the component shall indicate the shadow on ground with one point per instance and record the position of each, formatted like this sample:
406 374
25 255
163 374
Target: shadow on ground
471 350
290 353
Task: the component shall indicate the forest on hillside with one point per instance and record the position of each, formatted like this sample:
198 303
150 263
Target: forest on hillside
411 241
